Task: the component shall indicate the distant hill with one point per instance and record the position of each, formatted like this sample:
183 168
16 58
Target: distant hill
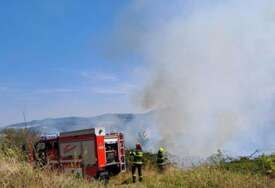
136 127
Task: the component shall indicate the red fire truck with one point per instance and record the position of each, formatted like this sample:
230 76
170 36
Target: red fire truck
87 153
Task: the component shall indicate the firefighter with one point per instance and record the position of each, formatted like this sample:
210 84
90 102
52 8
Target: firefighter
161 159
137 162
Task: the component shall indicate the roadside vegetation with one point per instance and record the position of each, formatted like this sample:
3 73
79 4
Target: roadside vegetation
15 172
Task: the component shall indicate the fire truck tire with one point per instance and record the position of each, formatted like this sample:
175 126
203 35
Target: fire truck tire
104 177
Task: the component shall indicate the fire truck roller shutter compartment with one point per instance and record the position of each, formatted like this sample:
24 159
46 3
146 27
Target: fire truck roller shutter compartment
83 149
78 155
89 157
70 150
70 153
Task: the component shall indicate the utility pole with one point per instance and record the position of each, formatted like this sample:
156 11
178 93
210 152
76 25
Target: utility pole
25 121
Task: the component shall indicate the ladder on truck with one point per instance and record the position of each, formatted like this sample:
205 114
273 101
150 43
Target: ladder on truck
121 149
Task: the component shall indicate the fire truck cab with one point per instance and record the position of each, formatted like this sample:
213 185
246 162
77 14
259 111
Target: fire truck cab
46 151
89 153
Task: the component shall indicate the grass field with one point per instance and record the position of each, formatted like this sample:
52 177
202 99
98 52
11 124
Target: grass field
14 172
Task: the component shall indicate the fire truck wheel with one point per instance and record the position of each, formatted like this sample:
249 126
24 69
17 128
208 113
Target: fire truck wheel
104 177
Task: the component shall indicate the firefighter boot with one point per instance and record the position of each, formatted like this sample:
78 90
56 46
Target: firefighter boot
134 178
140 178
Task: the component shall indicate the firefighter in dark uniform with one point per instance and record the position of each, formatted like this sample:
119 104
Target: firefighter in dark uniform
161 159
137 162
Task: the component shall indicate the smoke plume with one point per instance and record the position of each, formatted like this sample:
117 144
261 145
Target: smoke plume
212 66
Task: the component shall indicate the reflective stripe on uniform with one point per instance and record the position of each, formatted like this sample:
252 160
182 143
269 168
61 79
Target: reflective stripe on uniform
161 160
138 155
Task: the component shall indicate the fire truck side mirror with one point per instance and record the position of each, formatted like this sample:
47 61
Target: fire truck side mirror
100 131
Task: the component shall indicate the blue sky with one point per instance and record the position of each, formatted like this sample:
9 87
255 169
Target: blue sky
54 62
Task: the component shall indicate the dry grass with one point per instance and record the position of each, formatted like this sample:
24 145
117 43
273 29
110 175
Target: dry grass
17 174
20 174
197 177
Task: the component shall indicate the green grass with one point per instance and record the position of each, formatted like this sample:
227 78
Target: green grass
264 165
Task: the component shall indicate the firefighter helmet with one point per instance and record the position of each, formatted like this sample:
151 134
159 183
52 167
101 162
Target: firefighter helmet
161 149
138 146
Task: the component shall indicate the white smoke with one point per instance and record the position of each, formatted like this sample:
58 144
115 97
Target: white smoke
213 75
